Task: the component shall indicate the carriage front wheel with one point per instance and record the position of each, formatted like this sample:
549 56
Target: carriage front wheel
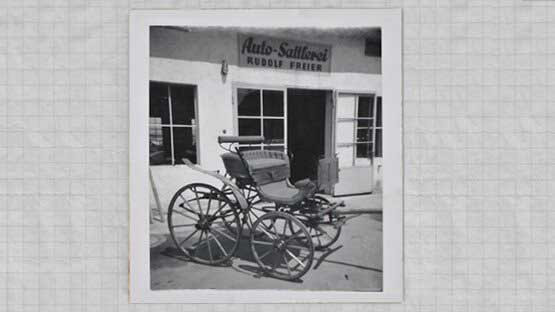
282 246
204 223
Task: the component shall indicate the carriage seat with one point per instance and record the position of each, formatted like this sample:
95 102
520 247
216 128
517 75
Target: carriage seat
282 193
258 164
269 171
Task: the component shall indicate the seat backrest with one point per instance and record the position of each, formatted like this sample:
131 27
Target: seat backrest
263 154
234 166
267 166
264 166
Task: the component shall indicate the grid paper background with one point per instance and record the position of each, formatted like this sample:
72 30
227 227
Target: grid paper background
479 118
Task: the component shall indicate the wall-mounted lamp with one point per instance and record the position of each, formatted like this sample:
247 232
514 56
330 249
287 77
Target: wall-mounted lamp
225 68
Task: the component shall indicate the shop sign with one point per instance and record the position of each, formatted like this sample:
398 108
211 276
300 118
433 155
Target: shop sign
275 53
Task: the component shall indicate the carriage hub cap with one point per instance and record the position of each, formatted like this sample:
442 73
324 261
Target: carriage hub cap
203 224
280 244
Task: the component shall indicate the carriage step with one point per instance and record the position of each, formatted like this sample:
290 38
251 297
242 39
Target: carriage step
331 208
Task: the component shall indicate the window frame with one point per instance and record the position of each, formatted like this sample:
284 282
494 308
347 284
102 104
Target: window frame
261 117
194 127
376 127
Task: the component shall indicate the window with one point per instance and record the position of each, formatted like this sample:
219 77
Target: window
359 129
262 112
172 124
364 137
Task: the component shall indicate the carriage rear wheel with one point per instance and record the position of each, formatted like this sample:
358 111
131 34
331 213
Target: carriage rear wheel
204 223
323 230
280 246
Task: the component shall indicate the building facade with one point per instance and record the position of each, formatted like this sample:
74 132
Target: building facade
315 94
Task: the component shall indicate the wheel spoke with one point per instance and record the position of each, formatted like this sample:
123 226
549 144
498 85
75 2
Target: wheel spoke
220 208
264 255
182 225
209 248
187 238
295 234
219 244
189 209
268 229
186 202
197 245
267 233
297 247
263 243
186 216
224 235
294 258
198 201
286 264
209 203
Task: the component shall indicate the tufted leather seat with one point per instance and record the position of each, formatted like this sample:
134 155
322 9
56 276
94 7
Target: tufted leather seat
282 194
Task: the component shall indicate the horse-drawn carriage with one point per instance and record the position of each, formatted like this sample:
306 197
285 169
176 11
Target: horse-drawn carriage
285 223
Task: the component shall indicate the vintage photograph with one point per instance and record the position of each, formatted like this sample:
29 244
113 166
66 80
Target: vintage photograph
265 158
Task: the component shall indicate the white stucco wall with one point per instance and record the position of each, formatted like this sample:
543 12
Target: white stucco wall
195 58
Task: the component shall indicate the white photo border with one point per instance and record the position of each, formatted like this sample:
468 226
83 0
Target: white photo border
389 20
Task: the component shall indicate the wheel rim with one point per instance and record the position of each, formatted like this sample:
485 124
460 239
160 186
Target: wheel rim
280 247
200 218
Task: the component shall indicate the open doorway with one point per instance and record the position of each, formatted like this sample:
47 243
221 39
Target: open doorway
306 131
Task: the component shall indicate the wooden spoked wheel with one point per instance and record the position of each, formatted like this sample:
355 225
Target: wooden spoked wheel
280 246
323 230
204 223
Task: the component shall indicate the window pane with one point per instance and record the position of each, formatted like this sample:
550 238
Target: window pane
379 143
249 102
273 130
249 126
184 144
183 104
365 106
364 150
364 123
159 102
364 135
159 144
273 103
363 154
379 111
